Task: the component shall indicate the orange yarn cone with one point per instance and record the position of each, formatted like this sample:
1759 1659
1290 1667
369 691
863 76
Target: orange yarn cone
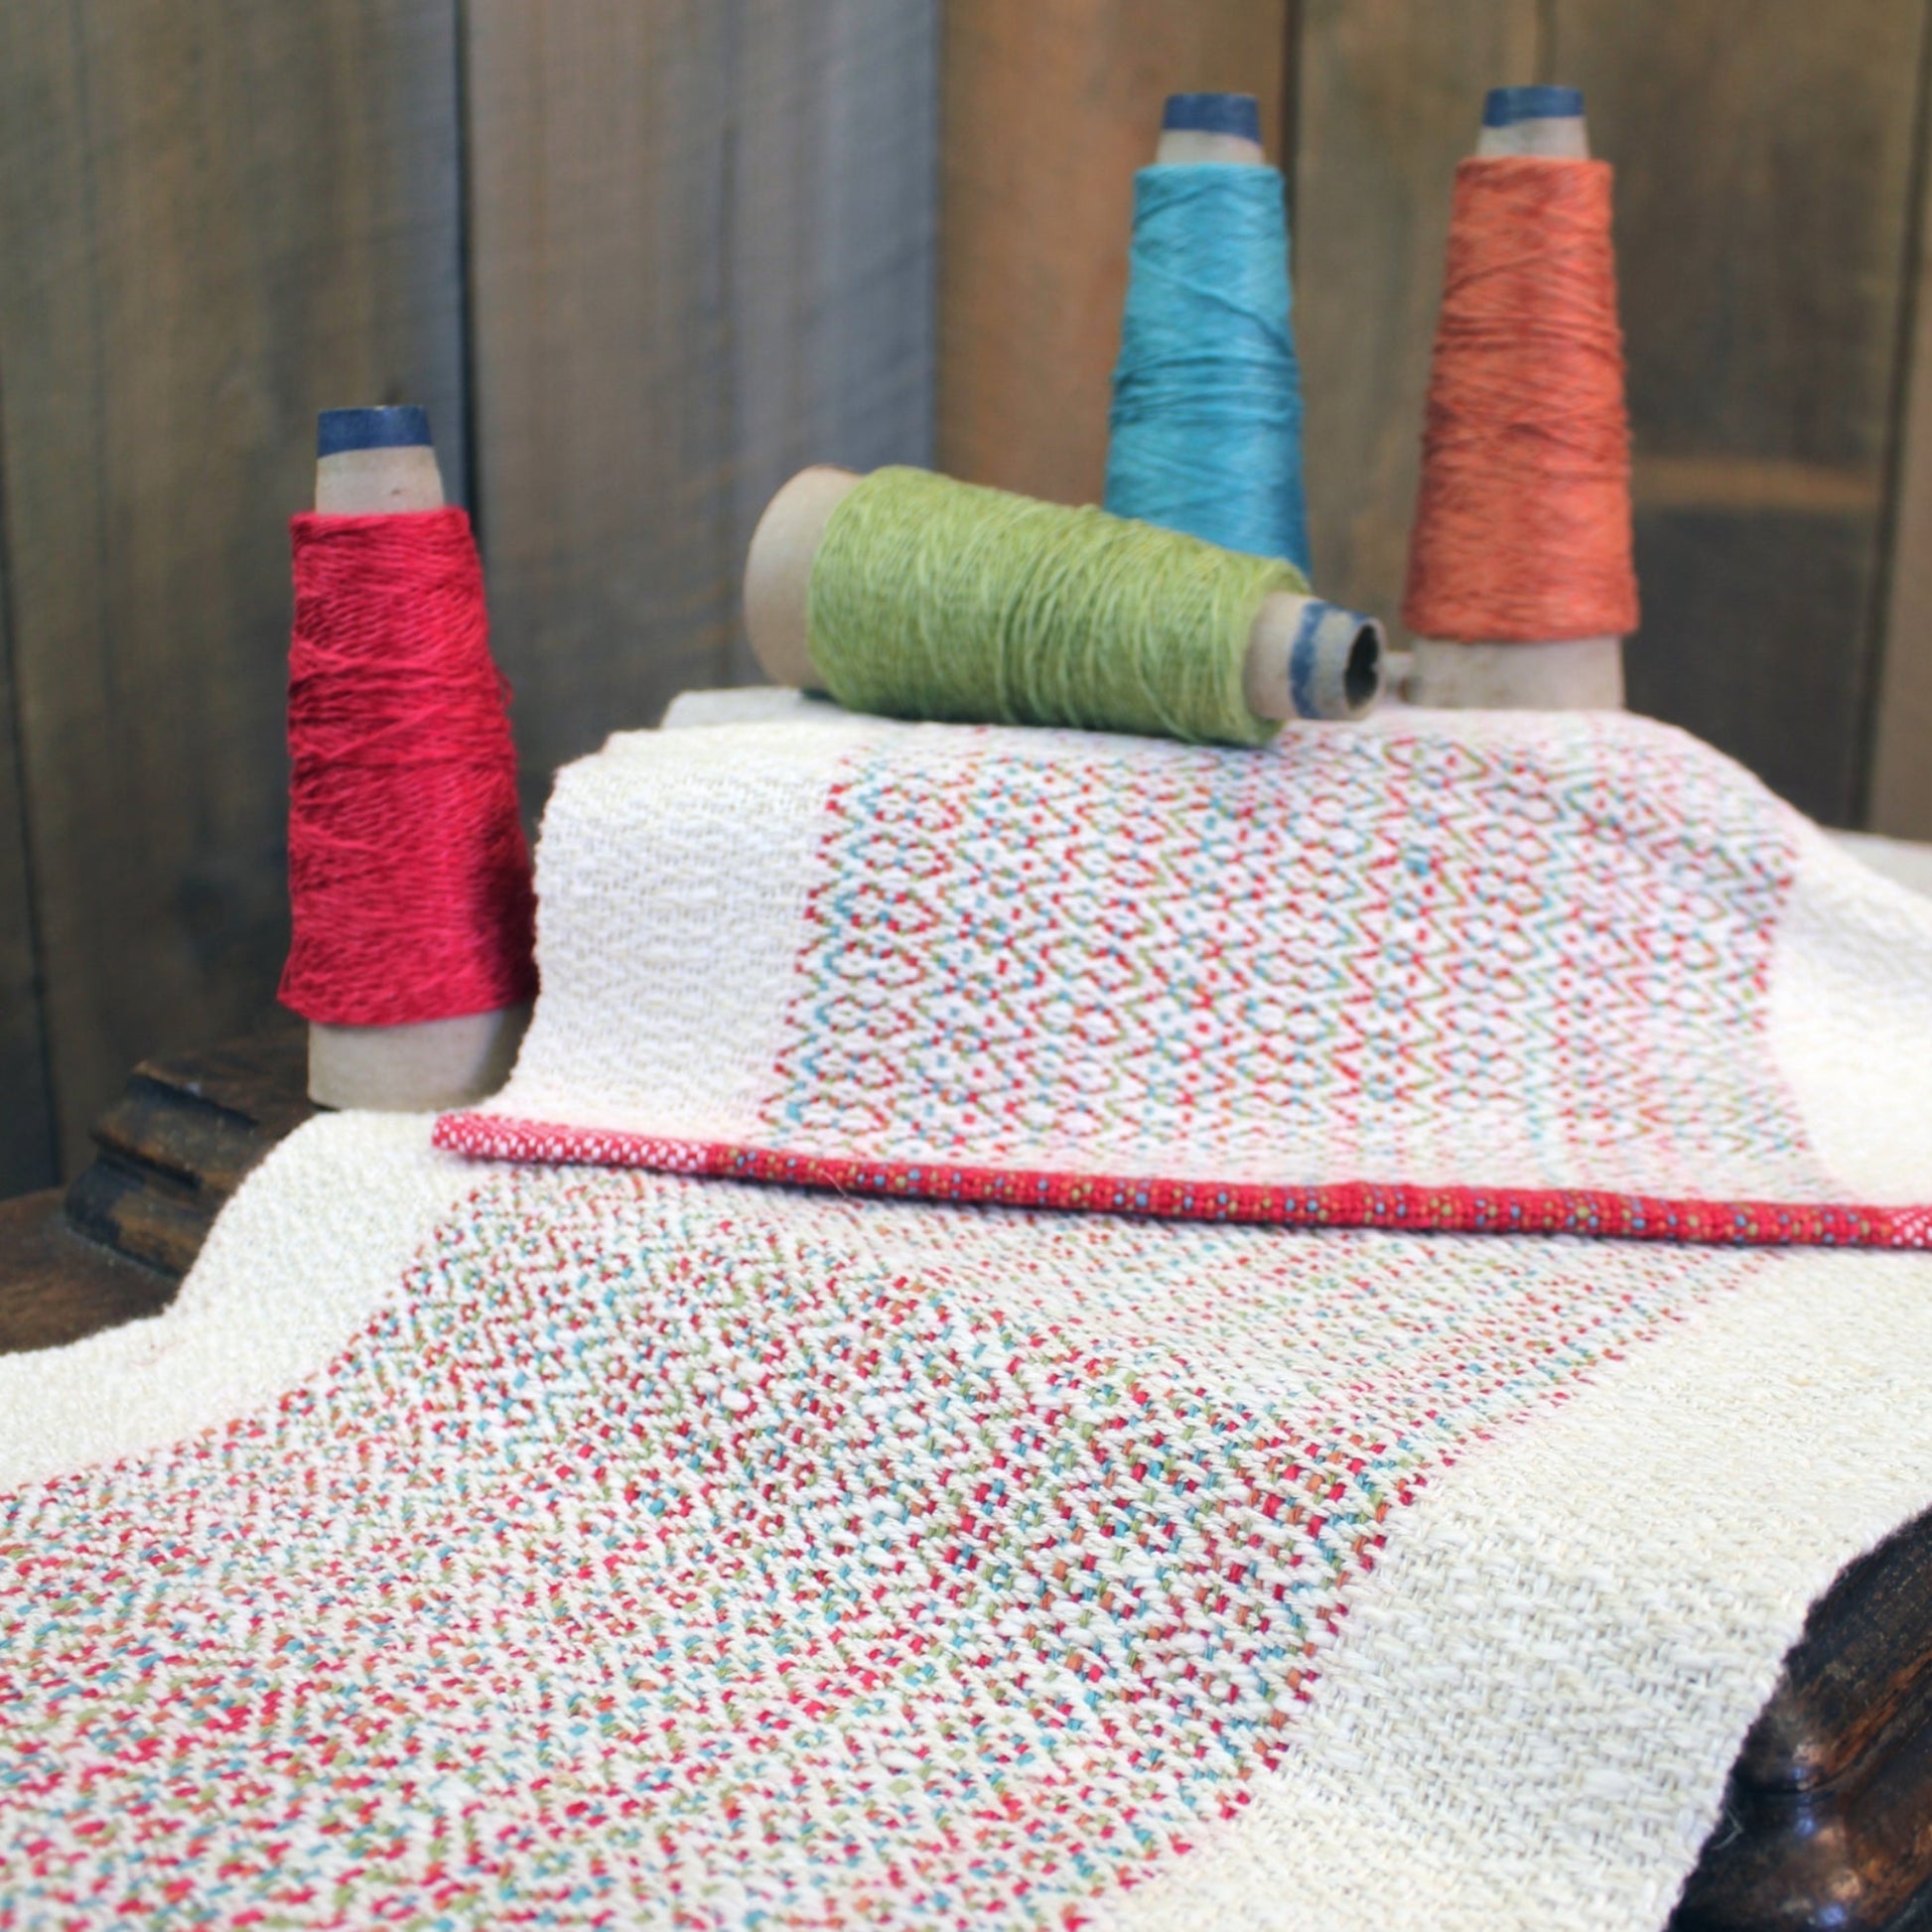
1522 526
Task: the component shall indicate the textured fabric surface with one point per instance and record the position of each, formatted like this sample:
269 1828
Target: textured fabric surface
523 1545
673 1552
1484 961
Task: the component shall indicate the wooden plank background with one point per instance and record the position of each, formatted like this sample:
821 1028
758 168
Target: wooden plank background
701 258
598 140
215 218
1048 111
1764 160
26 1152
665 252
1899 797
643 258
1389 95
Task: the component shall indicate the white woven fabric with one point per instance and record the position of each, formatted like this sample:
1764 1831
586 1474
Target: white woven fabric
1535 1703
516 1543
1849 988
315 1242
1476 951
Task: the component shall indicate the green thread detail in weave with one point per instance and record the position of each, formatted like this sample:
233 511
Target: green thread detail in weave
937 599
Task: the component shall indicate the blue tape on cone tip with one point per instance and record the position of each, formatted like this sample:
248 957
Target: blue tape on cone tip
1302 661
1237 114
1506 106
397 428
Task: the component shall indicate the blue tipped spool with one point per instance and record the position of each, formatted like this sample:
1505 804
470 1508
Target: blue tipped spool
402 427
1506 106
1236 114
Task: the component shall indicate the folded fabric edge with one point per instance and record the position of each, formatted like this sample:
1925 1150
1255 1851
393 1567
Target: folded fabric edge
318 1238
1400 1207
1533 1703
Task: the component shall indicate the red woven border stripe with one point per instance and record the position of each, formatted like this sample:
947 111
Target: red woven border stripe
1346 1204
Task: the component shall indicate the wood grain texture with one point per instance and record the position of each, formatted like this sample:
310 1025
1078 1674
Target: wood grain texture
1827 1818
1898 797
702 257
834 237
26 1152
1864 1662
1851 1857
170 1154
56 1287
178 1143
599 139
216 218
1763 151
1049 111
1390 99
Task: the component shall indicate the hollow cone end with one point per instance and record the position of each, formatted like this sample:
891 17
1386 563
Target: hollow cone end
1511 107
387 426
415 1069
378 480
1571 674
1310 659
778 572
1546 122
1189 147
1210 128
1219 113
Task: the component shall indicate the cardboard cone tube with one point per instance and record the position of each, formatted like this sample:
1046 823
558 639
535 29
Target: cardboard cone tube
1561 674
372 462
1305 658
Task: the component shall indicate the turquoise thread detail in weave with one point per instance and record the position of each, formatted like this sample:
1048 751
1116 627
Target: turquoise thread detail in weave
1206 421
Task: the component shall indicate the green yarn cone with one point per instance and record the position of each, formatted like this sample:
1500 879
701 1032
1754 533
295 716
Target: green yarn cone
937 599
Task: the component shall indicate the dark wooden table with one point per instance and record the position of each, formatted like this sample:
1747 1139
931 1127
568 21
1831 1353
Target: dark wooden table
1828 1818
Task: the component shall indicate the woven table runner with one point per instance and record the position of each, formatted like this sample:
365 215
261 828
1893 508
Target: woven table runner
1497 972
579 1529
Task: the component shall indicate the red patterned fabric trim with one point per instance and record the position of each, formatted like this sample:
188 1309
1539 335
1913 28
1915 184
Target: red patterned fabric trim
1348 1204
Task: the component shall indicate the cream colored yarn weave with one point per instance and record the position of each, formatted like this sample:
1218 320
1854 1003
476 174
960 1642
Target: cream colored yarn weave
495 1544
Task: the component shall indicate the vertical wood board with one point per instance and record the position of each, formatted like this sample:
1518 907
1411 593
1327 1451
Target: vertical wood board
702 258
1049 111
27 1151
599 135
217 218
833 224
1389 100
1900 782
1763 153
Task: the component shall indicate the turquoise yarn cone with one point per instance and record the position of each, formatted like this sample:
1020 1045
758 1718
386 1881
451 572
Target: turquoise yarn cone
1206 419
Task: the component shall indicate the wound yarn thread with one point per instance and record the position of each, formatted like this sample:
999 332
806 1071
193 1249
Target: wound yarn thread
1206 419
1522 529
943 600
409 875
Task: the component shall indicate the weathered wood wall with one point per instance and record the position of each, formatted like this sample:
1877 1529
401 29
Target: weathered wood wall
1899 798
1764 153
1388 96
215 218
1049 111
1770 159
643 260
701 258
25 1102
639 260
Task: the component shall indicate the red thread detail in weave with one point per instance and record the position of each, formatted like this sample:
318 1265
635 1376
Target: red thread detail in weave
1522 526
1400 1207
409 876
